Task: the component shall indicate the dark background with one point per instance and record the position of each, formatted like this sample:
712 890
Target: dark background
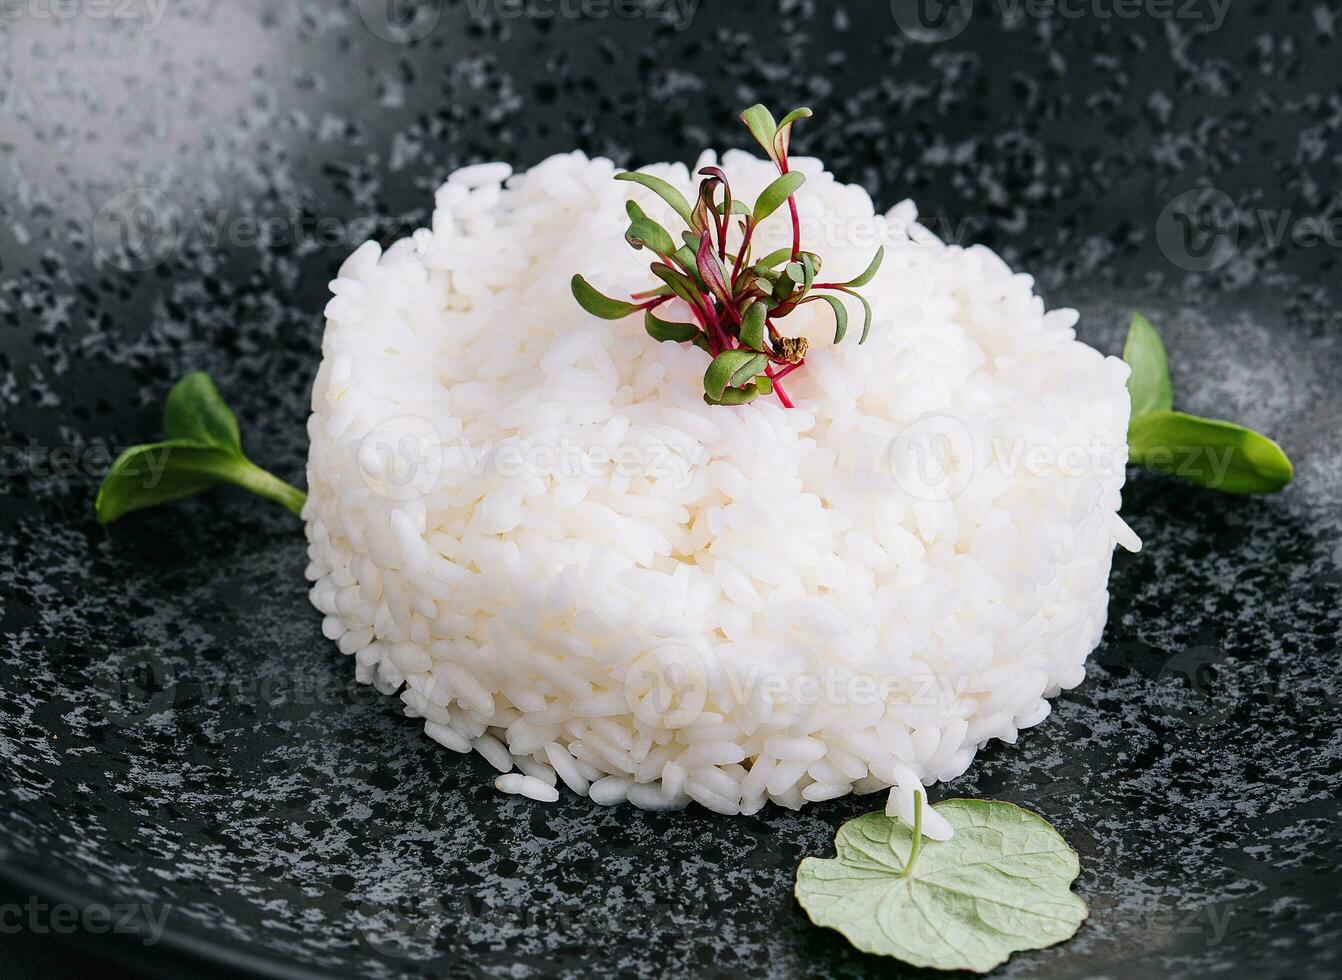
176 733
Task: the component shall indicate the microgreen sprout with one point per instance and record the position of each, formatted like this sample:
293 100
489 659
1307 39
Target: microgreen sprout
201 448
737 300
1217 454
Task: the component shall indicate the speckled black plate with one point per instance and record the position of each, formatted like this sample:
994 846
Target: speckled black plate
175 730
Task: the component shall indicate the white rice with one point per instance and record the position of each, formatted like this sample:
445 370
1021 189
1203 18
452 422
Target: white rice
528 523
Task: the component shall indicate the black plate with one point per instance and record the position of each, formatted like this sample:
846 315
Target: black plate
177 733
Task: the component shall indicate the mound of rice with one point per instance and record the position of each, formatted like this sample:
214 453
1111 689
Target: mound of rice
528 522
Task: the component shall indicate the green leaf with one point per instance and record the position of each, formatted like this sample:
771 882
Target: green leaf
866 315
153 474
1149 383
711 272
598 303
738 207
1001 884
764 384
196 412
840 314
679 283
688 256
760 122
734 396
731 369
663 190
773 258
685 256
794 115
202 451
667 330
870 271
646 232
752 325
774 196
1220 455
784 135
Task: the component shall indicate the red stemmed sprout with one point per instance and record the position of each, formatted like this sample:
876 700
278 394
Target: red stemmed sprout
737 301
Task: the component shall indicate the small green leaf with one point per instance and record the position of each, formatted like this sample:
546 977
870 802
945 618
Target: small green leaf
794 115
711 272
685 255
1220 455
773 258
784 134
870 271
157 473
1149 383
646 232
663 190
1001 884
203 450
866 315
738 207
667 330
731 369
760 122
599 304
678 282
196 412
776 194
735 396
840 313
752 325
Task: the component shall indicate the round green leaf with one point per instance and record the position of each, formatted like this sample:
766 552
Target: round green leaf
1001 884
